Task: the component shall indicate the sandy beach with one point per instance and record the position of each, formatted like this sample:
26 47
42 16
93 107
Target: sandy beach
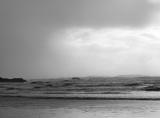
53 108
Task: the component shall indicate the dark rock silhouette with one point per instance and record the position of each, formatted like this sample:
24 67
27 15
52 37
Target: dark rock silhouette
133 84
37 87
37 82
49 85
67 84
12 80
75 78
10 88
152 88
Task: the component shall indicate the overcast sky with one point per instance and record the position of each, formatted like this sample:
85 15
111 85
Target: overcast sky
63 38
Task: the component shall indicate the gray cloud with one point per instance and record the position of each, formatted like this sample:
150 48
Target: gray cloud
104 13
79 12
26 24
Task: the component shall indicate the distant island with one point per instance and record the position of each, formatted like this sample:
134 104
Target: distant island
12 80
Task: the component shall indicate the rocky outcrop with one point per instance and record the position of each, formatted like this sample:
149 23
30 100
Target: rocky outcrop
12 80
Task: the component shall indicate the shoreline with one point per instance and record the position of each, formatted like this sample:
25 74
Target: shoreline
79 97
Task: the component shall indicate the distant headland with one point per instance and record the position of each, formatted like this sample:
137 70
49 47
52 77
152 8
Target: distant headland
12 80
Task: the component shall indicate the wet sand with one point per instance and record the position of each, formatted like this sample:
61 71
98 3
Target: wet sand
53 108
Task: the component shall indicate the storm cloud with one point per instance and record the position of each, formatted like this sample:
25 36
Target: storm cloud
48 38
78 12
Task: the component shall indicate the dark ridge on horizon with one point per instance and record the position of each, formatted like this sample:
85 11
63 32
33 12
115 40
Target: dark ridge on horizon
112 76
12 80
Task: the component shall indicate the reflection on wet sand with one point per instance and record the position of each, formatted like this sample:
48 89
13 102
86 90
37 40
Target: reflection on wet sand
52 108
